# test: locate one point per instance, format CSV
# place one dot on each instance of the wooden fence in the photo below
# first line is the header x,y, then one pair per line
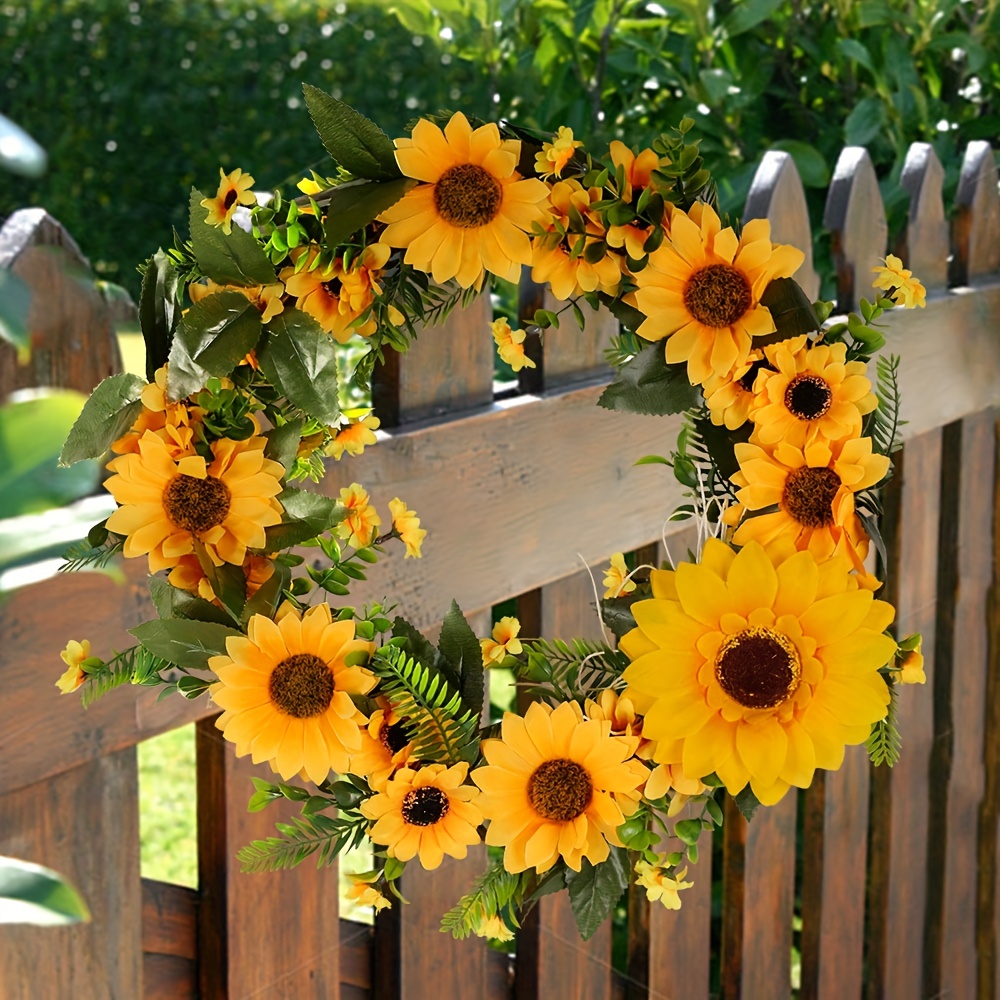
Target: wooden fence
x,y
884,880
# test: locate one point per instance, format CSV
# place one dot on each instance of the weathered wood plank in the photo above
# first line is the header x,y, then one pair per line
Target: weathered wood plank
x,y
85,824
267,934
168,977
856,219
169,919
356,955
975,232
734,841
923,243
961,724
776,193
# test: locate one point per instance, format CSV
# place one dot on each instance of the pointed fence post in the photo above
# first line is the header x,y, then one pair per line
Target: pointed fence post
x,y
923,244
976,223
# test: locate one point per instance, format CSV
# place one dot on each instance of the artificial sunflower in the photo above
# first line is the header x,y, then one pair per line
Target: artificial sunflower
x,y
337,296
732,396
360,525
759,666
701,290
554,155
168,505
385,746
471,212
267,298
173,423
406,524
554,786
813,488
355,437
510,344
286,692
426,814
562,262
189,575
898,281
815,392
234,190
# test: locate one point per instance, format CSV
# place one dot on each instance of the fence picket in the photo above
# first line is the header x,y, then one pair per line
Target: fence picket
x,y
976,224
923,243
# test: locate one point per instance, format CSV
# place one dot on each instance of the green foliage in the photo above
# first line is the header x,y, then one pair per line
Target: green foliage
x,y
791,311
884,742
186,643
326,836
493,892
444,731
135,665
595,890
883,424
106,416
159,309
86,555
233,258
570,670
460,649
747,803
171,602
647,384
32,894
307,515
352,206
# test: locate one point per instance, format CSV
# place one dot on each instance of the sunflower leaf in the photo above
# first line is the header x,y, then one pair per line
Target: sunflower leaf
x,y
461,650
307,515
355,142
236,259
353,206
185,643
211,339
300,360
106,416
268,596
171,602
747,803
159,309
791,310
283,443
595,890
617,612
31,894
647,384
227,581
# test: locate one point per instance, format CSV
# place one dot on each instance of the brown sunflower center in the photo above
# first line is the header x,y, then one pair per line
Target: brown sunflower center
x,y
301,686
808,496
717,295
808,396
394,737
758,667
196,504
467,196
231,195
747,380
334,286
424,806
560,789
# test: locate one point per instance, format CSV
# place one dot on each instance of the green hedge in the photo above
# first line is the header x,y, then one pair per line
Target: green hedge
x,y
136,102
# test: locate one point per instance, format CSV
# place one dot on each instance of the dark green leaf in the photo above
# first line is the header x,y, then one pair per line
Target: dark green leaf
x,y
31,894
300,360
719,441
307,515
617,613
186,643
809,162
171,602
228,582
791,311
107,415
159,310
212,338
268,597
462,652
747,15
354,206
747,803
554,880
595,890
418,646
865,122
283,443
647,384
236,259
356,143
627,315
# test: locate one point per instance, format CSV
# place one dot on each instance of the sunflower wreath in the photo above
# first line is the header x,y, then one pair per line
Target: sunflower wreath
x,y
744,668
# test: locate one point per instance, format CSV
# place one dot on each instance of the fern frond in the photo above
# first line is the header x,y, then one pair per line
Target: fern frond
x,y
441,730
569,671
884,422
884,742
495,889
622,349
135,665
316,834
83,555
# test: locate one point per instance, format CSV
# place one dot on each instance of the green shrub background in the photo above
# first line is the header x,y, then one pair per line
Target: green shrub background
x,y
135,102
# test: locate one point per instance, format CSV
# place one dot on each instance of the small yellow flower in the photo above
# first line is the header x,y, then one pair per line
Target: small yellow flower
x,y
234,190
616,580
73,656
354,438
494,927
407,525
660,886
552,160
510,345
365,894
309,187
903,288
267,298
911,664
504,641
362,519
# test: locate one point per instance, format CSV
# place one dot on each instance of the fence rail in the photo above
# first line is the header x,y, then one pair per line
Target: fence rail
x,y
883,881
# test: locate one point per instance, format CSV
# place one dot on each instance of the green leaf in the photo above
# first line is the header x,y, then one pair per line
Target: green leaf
x,y
356,143
236,259
300,360
865,122
283,443
747,803
170,602
617,613
15,301
353,206
228,582
853,49
416,644
268,597
107,415
461,650
595,890
719,443
212,338
186,643
809,162
748,14
32,894
791,311
307,515
159,309
647,384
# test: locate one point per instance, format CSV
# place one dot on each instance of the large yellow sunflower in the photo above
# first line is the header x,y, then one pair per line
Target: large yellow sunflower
x,y
472,210
554,787
813,489
701,290
286,689
167,504
426,814
385,746
814,393
759,666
